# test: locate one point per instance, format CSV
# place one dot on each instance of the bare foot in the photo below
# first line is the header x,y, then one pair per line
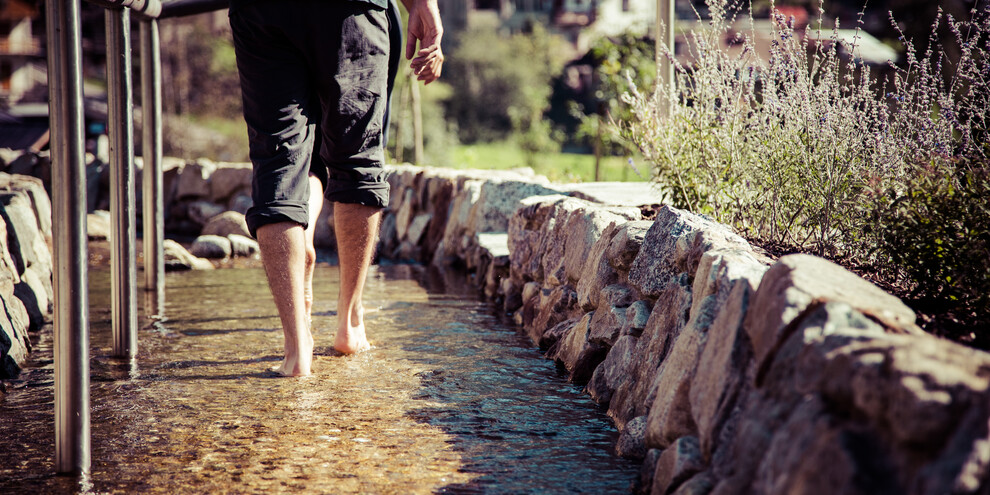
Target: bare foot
x,y
298,359
351,338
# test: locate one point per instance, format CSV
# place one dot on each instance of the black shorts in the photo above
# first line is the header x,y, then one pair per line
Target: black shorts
x,y
314,79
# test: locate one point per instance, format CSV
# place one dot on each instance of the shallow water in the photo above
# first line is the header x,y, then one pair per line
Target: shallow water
x,y
450,400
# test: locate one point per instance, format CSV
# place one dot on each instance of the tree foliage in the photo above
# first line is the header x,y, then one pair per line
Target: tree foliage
x,y
501,85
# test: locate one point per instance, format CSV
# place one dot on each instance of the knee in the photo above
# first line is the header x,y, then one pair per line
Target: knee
x,y
310,256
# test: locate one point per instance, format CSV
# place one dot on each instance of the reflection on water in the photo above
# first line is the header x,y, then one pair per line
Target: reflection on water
x,y
450,400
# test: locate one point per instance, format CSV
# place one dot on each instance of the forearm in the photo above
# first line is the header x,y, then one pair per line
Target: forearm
x,y
409,3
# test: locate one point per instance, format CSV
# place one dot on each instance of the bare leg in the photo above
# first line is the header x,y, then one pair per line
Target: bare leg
x,y
315,205
357,229
283,250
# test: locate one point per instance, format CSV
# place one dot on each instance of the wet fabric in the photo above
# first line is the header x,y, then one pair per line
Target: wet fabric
x,y
314,80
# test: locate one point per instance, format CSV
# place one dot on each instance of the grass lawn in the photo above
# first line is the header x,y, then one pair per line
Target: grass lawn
x,y
558,167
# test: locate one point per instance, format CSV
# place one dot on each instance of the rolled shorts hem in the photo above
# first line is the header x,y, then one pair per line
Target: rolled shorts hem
x,y
288,211
362,193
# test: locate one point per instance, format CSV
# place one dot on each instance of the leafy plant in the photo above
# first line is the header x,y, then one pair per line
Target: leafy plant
x,y
811,148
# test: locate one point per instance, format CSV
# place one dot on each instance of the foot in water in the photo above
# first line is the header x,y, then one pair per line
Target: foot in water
x,y
298,359
351,338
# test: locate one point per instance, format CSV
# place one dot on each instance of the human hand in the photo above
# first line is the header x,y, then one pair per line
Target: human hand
x,y
426,28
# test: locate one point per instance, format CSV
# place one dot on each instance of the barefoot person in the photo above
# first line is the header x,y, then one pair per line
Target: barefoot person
x,y
314,78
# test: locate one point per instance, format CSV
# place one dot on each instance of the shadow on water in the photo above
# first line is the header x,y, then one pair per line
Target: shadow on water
x,y
450,400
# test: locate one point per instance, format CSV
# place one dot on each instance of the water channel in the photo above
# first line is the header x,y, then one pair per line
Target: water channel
x,y
450,400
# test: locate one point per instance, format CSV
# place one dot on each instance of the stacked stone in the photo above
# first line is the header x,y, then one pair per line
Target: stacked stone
x,y
725,373
25,267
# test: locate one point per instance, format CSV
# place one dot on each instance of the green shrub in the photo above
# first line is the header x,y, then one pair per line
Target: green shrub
x,y
811,149
936,233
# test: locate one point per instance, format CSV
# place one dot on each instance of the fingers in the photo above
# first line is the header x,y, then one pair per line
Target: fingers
x,y
428,64
410,46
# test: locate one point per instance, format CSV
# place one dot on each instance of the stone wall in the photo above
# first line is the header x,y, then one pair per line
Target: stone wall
x,y
725,372
25,267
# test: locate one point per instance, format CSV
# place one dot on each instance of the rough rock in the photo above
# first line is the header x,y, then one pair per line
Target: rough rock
x,y
512,293
919,386
225,224
497,201
553,240
240,203
721,371
417,227
34,188
637,315
8,270
614,371
584,228
597,273
194,180
670,414
98,225
674,245
177,258
498,272
579,356
718,273
626,243
211,247
677,464
227,179
631,443
636,394
496,245
14,342
526,227
388,238
811,454
440,190
555,305
577,226
699,484
404,215
171,171
243,246
35,297
610,317
647,470
200,212
551,339
797,281
460,213
26,243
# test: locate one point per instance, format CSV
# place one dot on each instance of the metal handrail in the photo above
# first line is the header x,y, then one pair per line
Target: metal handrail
x,y
146,8
72,409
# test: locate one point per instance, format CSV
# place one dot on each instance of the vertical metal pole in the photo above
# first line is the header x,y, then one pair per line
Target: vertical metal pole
x,y
665,35
122,195
151,111
72,433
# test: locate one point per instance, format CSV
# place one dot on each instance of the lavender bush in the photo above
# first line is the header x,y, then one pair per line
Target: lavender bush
x,y
811,149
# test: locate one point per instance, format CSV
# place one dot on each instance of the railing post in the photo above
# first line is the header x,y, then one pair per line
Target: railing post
x,y
122,195
151,112
665,23
72,428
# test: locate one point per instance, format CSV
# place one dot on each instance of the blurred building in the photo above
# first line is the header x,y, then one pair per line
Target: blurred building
x,y
578,21
23,72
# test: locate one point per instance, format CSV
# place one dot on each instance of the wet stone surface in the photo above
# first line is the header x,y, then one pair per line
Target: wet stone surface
x,y
450,400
